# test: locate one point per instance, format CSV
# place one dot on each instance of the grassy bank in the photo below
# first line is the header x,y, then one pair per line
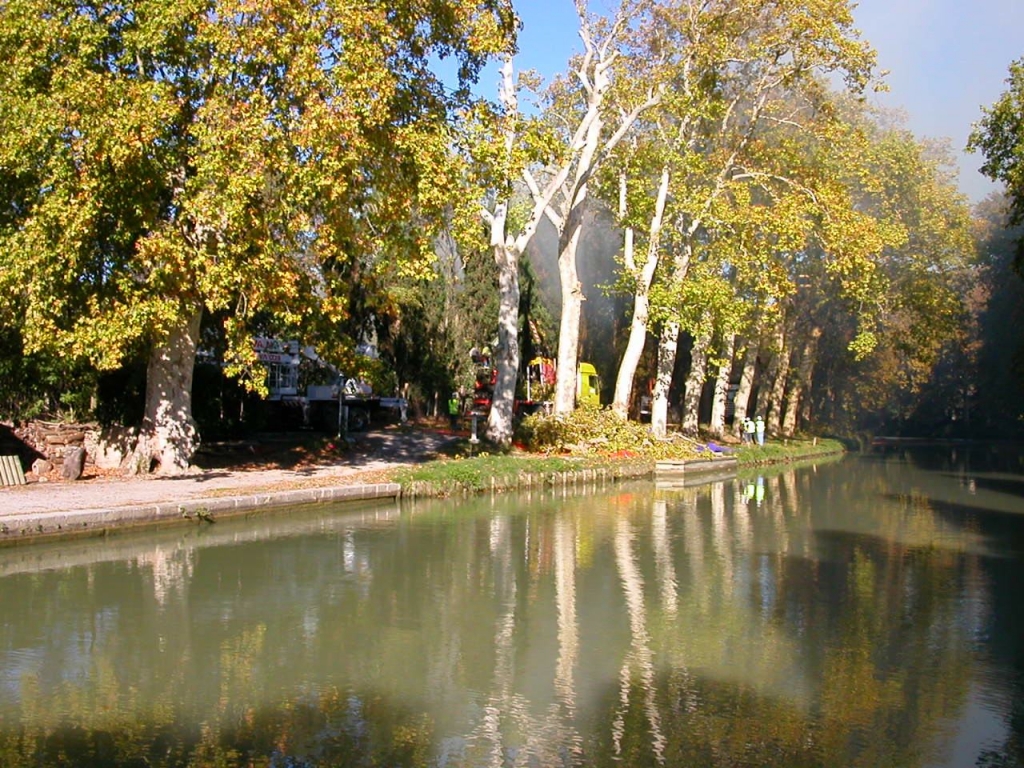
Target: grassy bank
x,y
469,474
787,450
477,474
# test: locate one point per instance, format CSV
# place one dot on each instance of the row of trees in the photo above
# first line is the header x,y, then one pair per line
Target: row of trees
x,y
776,225
178,175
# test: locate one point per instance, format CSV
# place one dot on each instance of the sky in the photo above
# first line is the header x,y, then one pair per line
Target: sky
x,y
946,60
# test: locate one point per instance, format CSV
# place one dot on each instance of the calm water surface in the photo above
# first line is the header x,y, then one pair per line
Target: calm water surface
x,y
864,612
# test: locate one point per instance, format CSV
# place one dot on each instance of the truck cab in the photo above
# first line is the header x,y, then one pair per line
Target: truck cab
x,y
588,385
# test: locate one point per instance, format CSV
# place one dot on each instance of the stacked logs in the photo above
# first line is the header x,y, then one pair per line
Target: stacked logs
x,y
58,444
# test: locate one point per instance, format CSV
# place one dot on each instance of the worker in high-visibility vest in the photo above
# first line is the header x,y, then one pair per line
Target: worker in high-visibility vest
x,y
759,429
453,410
748,430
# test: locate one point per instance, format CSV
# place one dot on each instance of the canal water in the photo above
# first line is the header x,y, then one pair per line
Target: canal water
x,y
858,612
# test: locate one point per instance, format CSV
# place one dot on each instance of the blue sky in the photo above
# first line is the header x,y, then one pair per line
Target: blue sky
x,y
946,58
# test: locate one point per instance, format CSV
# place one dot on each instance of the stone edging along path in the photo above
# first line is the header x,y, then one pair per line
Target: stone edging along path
x,y
96,521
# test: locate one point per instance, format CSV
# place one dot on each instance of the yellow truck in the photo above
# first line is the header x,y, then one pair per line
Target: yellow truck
x,y
539,386
588,385
540,381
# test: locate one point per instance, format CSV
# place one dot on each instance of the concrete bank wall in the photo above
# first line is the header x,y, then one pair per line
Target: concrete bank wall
x,y
85,522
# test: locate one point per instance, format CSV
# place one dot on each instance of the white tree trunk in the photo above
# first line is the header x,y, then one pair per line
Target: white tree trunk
x,y
690,421
716,426
507,251
635,343
746,387
506,257
168,439
568,245
668,348
572,309
641,303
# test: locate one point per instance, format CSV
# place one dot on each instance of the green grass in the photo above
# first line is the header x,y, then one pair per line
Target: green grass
x,y
470,474
789,450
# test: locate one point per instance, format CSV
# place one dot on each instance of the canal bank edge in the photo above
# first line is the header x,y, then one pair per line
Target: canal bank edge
x,y
103,520
590,472
445,478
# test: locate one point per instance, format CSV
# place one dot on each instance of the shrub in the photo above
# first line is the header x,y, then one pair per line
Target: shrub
x,y
592,430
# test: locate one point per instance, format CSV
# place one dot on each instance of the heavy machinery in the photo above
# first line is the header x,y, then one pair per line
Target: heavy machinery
x,y
539,384
315,390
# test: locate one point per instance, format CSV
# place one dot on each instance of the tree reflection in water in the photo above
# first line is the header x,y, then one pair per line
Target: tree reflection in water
x,y
840,616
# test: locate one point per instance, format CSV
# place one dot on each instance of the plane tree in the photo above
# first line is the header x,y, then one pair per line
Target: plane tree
x,y
854,282
591,110
730,68
997,294
880,247
823,245
913,311
639,179
872,280
999,136
163,159
501,143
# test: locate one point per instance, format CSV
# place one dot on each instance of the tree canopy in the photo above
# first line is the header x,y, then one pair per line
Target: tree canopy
x,y
174,174
999,136
163,158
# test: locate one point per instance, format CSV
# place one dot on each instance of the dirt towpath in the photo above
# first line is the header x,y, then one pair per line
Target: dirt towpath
x,y
102,502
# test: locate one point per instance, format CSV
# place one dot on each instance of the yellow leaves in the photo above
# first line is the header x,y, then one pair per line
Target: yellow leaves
x,y
489,32
241,154
863,344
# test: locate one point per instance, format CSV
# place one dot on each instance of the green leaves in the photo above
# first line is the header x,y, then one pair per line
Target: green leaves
x,y
240,155
999,136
